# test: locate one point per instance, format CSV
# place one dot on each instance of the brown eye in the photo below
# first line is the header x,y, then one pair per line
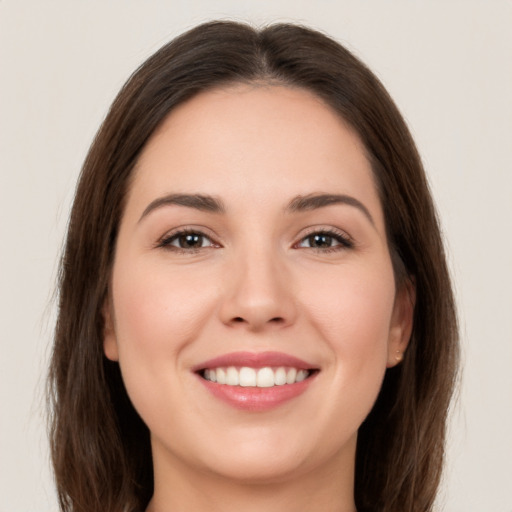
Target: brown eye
x,y
189,241
186,240
320,240
325,240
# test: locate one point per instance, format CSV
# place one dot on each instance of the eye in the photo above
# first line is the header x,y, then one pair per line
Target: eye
x,y
186,241
326,240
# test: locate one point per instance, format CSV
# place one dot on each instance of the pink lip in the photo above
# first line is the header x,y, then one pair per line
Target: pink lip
x,y
253,398
254,360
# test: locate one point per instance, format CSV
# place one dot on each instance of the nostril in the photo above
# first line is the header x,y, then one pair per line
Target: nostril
x,y
275,320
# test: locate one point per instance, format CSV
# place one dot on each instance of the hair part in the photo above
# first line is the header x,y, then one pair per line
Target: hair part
x,y
100,446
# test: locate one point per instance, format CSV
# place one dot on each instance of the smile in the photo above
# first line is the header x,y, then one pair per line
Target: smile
x,y
246,376
256,381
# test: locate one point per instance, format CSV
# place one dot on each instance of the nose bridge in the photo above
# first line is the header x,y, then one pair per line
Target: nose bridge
x,y
258,294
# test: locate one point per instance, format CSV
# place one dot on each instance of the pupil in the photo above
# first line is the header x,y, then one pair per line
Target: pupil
x,y
320,240
190,240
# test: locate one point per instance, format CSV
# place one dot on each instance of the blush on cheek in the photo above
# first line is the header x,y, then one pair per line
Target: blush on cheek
x,y
158,310
360,312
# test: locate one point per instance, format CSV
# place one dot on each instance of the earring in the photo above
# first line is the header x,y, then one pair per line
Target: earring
x,y
398,356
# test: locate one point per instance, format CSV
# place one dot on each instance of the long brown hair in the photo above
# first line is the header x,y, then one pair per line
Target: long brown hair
x,y
100,446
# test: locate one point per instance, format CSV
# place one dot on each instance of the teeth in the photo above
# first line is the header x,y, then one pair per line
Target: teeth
x,y
280,377
301,375
232,377
290,376
251,377
221,375
247,377
265,378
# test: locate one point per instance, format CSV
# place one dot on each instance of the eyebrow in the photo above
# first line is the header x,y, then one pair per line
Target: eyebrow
x,y
197,201
215,205
315,201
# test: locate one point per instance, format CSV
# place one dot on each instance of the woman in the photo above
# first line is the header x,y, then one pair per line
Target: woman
x,y
255,309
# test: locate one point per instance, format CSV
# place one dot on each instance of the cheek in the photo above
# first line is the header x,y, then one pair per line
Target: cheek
x,y
354,307
349,310
157,308
158,313
352,310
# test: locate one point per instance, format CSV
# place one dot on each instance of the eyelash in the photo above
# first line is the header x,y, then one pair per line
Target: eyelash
x,y
167,240
343,240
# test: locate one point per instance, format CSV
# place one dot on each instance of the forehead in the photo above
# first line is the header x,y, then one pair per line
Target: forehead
x,y
251,141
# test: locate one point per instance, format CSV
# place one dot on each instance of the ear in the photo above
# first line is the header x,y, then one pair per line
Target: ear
x,y
109,333
401,322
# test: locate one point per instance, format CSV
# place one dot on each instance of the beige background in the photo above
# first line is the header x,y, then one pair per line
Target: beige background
x,y
448,64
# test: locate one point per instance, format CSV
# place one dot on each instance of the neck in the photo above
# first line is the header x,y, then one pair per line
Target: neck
x,y
179,488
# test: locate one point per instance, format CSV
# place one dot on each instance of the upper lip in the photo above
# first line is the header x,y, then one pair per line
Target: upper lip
x,y
255,360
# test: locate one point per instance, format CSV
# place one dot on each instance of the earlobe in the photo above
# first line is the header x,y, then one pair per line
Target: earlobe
x,y
401,322
109,334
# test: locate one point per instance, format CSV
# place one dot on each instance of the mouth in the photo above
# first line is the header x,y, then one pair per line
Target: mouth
x,y
256,382
246,376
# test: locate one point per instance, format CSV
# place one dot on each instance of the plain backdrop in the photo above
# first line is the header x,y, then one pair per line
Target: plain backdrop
x,y
448,65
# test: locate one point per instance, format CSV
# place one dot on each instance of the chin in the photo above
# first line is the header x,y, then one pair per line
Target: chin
x,y
270,457
256,470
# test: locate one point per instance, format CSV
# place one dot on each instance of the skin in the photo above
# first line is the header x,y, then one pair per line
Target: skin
x,y
256,283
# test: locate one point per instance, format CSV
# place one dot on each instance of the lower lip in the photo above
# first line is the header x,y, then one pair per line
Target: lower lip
x,y
257,399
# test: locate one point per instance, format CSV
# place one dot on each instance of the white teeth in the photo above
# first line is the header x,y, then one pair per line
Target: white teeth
x,y
221,375
280,377
301,375
250,377
290,376
247,377
265,378
232,378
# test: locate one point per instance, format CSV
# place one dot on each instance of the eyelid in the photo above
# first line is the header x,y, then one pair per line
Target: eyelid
x,y
164,242
344,239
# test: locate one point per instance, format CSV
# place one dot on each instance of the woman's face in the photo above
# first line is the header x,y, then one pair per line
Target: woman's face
x,y
252,252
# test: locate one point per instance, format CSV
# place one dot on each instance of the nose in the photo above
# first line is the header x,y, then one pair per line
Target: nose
x,y
258,293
